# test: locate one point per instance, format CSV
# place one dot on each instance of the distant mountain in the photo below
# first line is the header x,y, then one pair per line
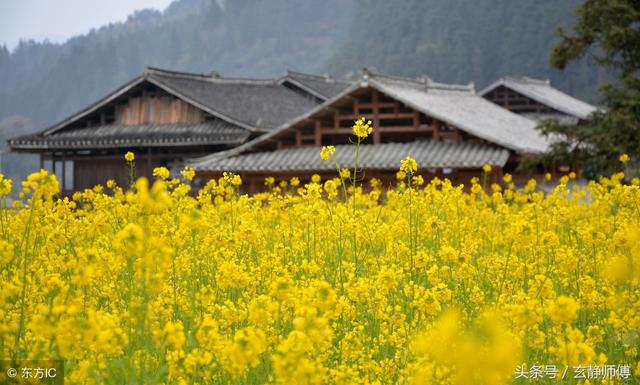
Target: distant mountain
x,y
463,41
45,82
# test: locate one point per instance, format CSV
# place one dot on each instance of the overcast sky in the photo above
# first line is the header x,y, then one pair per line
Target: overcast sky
x,y
58,20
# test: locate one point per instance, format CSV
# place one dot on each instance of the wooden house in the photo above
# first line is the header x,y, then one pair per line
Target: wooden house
x,y
449,129
537,99
165,116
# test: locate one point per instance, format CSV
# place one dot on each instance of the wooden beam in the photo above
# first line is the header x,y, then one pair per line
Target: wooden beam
x,y
392,115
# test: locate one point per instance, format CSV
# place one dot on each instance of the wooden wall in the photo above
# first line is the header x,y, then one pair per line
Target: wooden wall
x,y
160,109
89,172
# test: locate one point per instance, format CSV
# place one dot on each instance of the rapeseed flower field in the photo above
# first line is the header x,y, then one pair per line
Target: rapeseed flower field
x,y
325,282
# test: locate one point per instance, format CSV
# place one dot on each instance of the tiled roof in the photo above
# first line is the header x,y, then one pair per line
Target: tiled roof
x,y
111,136
323,87
259,104
556,117
461,107
542,92
387,156
457,105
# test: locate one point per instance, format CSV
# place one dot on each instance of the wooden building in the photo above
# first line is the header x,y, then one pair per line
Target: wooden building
x,y
537,99
166,116
449,129
276,127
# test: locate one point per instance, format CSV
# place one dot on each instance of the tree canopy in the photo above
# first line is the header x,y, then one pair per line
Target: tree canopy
x,y
607,32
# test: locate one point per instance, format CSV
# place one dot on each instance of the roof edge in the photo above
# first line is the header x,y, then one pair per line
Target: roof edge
x,y
424,81
93,106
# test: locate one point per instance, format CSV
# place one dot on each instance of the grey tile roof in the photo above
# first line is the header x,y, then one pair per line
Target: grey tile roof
x,y
259,104
457,105
387,156
152,135
461,107
324,87
253,105
542,92
546,116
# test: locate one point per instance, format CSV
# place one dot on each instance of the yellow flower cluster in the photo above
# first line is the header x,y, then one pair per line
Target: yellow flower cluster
x,y
362,128
5,186
408,165
436,284
326,152
624,158
188,173
161,172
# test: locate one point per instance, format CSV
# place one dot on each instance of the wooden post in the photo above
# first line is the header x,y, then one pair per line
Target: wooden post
x,y
318,134
149,170
63,174
376,118
436,129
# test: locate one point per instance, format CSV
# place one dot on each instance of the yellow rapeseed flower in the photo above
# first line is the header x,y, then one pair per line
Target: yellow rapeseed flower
x,y
188,173
362,128
624,158
161,172
325,283
5,186
326,152
129,156
563,310
408,165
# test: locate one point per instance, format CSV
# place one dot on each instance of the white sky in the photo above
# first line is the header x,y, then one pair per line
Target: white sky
x,y
58,20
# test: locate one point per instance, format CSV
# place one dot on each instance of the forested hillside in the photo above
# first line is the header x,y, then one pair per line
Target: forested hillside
x,y
462,41
44,82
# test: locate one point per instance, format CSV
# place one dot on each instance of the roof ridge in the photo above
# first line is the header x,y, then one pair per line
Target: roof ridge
x,y
423,80
150,70
211,76
526,79
325,77
241,80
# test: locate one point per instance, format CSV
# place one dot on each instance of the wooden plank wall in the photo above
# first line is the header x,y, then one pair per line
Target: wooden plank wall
x,y
160,110
89,172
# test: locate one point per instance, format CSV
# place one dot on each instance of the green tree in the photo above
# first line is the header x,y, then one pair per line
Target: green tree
x,y
608,33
